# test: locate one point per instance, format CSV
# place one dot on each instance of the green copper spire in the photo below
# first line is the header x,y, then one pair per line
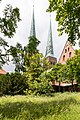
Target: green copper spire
x,y
32,31
49,47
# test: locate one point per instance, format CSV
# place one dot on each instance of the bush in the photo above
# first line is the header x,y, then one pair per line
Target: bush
x,y
12,84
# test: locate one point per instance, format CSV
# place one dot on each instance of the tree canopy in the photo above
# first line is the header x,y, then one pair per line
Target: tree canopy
x,y
68,17
8,25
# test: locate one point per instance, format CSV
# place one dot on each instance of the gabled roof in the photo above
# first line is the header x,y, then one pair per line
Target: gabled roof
x,y
65,51
2,72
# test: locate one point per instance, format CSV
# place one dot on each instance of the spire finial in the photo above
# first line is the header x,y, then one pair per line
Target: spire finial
x,y
33,3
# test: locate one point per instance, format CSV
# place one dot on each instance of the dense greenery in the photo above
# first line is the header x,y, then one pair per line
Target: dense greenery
x,y
12,84
68,17
35,66
64,106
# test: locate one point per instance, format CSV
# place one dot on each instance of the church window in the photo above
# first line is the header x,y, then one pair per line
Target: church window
x,y
68,49
70,54
65,50
63,57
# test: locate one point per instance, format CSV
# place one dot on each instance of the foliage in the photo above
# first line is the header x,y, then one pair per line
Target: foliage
x,y
74,66
55,72
45,86
68,17
12,84
9,22
4,56
32,45
64,106
63,74
8,25
17,54
35,66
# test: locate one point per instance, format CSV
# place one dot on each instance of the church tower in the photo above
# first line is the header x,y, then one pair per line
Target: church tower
x,y
49,48
32,30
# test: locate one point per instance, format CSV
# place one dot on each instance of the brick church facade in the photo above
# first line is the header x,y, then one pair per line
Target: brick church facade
x,y
67,53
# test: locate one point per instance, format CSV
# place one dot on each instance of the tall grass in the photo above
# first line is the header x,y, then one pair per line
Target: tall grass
x,y
64,106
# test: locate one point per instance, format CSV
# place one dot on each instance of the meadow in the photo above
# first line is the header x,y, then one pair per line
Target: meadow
x,y
62,106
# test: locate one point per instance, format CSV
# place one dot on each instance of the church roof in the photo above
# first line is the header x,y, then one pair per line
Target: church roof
x,y
2,72
68,52
49,47
32,30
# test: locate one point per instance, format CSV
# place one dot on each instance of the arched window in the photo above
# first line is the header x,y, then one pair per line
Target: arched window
x,y
65,50
68,49
70,54
63,57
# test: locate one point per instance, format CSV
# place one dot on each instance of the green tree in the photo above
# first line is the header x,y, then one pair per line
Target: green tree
x,y
71,70
62,73
36,65
8,25
20,54
68,17
12,84
55,73
74,67
17,54
32,46
4,56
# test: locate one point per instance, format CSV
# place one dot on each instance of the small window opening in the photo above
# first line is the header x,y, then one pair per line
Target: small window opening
x,y
70,54
63,57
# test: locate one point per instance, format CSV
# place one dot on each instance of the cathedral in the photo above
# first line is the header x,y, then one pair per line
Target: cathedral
x,y
49,54
67,52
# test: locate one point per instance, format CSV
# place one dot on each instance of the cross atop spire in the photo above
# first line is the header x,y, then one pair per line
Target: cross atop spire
x,y
49,47
33,31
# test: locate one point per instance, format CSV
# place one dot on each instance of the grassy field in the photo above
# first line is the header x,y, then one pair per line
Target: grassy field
x,y
64,106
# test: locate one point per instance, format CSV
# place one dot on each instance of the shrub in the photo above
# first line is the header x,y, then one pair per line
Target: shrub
x,y
12,84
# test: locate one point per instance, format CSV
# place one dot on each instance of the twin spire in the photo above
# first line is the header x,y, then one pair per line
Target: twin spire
x,y
33,31
49,47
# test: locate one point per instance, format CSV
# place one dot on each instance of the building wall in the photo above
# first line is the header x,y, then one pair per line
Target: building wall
x,y
67,53
52,60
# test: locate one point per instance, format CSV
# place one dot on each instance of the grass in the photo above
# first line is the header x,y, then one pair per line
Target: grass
x,y
65,106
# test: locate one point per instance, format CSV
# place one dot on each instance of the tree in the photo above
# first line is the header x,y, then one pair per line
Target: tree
x,y
12,84
32,45
68,17
20,54
4,57
17,54
36,65
54,71
74,67
8,25
62,73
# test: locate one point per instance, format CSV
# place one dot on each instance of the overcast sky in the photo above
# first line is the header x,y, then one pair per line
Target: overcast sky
x,y
41,22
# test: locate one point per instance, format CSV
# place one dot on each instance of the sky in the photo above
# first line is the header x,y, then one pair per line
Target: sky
x,y
42,19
